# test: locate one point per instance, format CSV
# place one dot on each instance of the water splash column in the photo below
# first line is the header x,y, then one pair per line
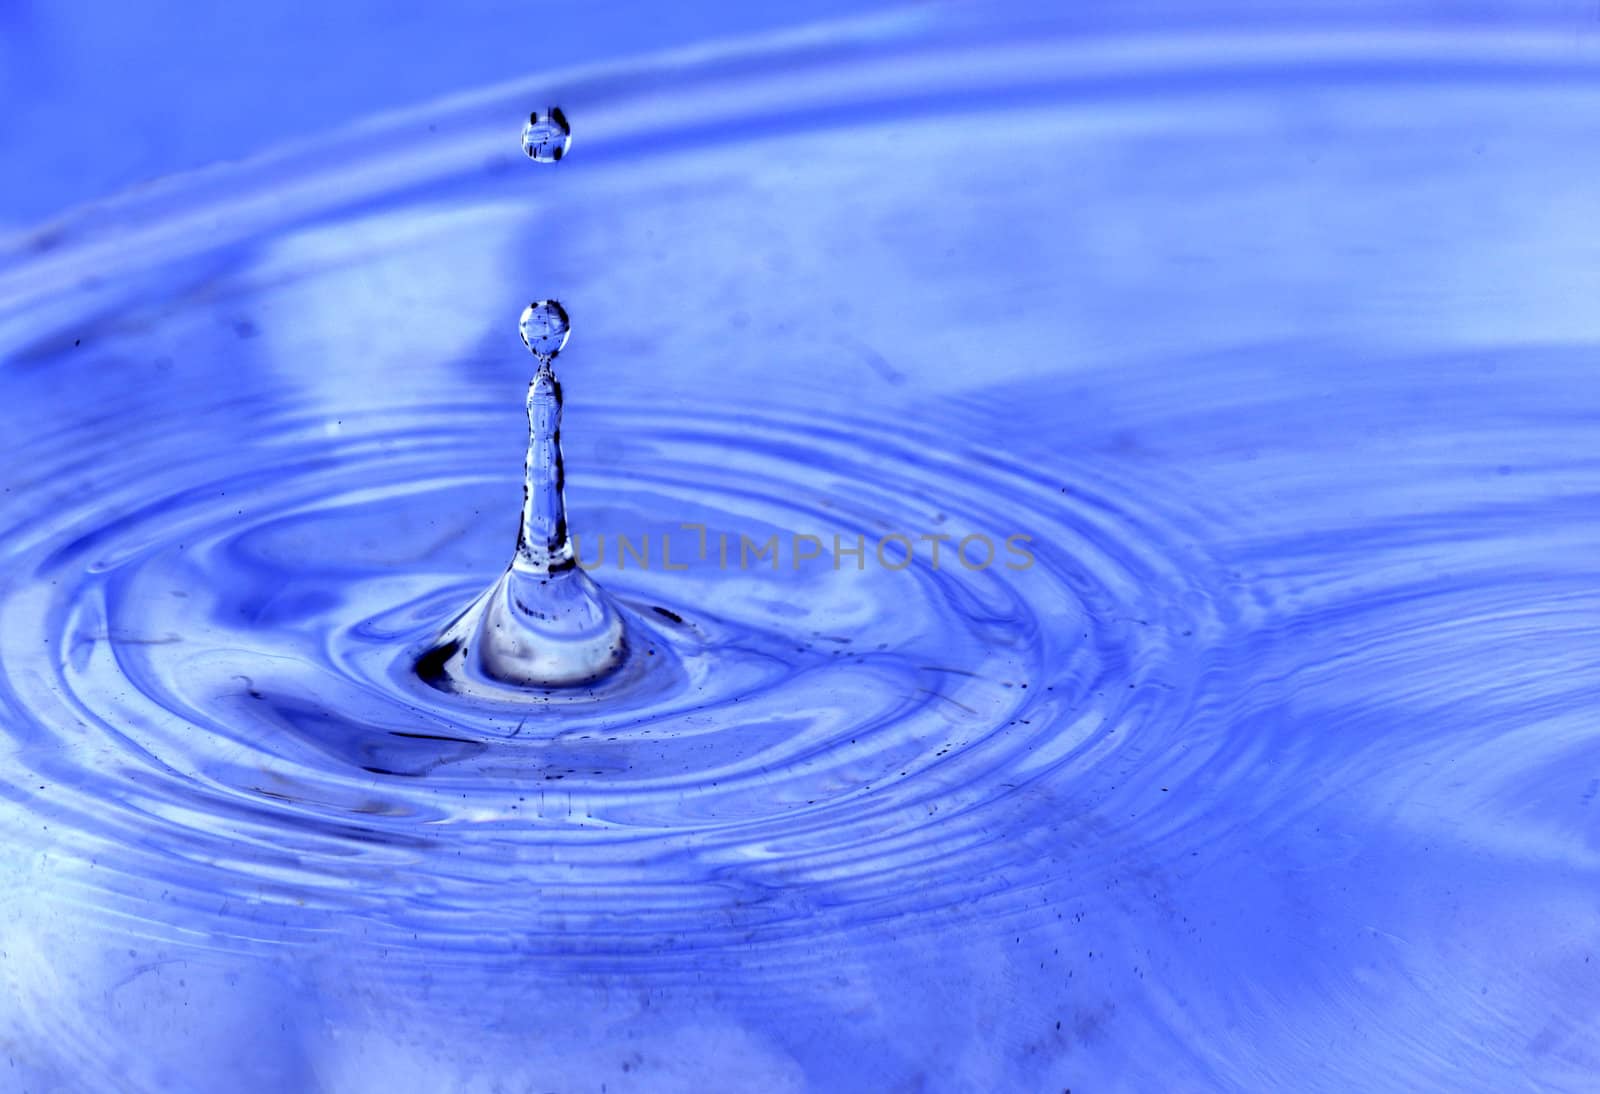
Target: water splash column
x,y
543,545
544,624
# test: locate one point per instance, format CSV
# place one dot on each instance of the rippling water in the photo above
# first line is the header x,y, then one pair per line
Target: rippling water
x,y
1277,769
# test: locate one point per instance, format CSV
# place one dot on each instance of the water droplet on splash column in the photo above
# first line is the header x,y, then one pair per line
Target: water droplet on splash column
x,y
546,136
545,624
545,329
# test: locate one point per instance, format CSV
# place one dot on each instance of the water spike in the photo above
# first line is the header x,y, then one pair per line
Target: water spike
x,y
543,545
545,624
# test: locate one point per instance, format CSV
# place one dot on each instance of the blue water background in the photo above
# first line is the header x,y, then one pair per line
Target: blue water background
x,y
1278,770
103,96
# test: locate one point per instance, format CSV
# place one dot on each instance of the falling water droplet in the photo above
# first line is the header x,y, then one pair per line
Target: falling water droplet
x,y
547,136
545,623
544,329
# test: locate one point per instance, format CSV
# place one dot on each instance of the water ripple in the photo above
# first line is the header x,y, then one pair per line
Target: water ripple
x,y
1279,760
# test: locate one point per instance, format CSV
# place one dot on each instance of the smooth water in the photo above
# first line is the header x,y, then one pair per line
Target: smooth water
x,y
1267,760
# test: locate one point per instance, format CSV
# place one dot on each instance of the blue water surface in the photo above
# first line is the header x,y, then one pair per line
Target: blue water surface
x,y
1275,769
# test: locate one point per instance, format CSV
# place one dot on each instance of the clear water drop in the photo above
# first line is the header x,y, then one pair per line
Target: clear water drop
x,y
547,136
545,328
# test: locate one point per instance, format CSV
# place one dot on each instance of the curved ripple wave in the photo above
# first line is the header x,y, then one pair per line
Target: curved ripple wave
x,y
233,700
